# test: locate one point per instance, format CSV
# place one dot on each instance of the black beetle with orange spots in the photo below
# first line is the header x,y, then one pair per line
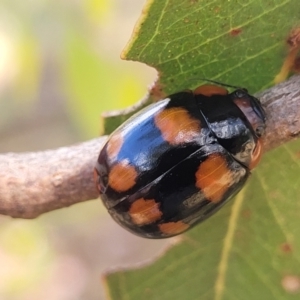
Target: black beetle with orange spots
x,y
176,162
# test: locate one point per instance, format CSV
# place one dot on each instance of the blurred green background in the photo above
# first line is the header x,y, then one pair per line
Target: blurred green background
x,y
59,69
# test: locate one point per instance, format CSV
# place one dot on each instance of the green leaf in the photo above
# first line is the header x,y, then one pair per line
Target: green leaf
x,y
242,43
249,249
249,44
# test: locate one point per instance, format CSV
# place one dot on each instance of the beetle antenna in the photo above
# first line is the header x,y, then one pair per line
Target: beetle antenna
x,y
222,84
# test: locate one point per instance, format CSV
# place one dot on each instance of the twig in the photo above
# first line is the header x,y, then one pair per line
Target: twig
x,y
35,183
282,105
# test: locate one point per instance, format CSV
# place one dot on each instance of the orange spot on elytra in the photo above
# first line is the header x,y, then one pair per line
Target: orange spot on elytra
x,y
293,42
209,90
213,177
173,228
256,155
177,126
122,176
144,212
114,145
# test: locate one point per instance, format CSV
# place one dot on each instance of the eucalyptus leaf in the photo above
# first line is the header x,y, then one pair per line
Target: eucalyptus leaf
x,y
250,248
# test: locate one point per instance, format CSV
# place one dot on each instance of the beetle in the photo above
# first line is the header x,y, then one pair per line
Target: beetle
x,y
179,160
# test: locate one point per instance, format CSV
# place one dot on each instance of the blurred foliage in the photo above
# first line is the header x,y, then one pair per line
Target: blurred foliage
x,y
86,75
73,36
24,257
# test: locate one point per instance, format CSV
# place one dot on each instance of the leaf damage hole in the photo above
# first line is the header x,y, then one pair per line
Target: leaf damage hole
x,y
235,31
217,9
291,284
247,213
286,248
156,91
292,60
